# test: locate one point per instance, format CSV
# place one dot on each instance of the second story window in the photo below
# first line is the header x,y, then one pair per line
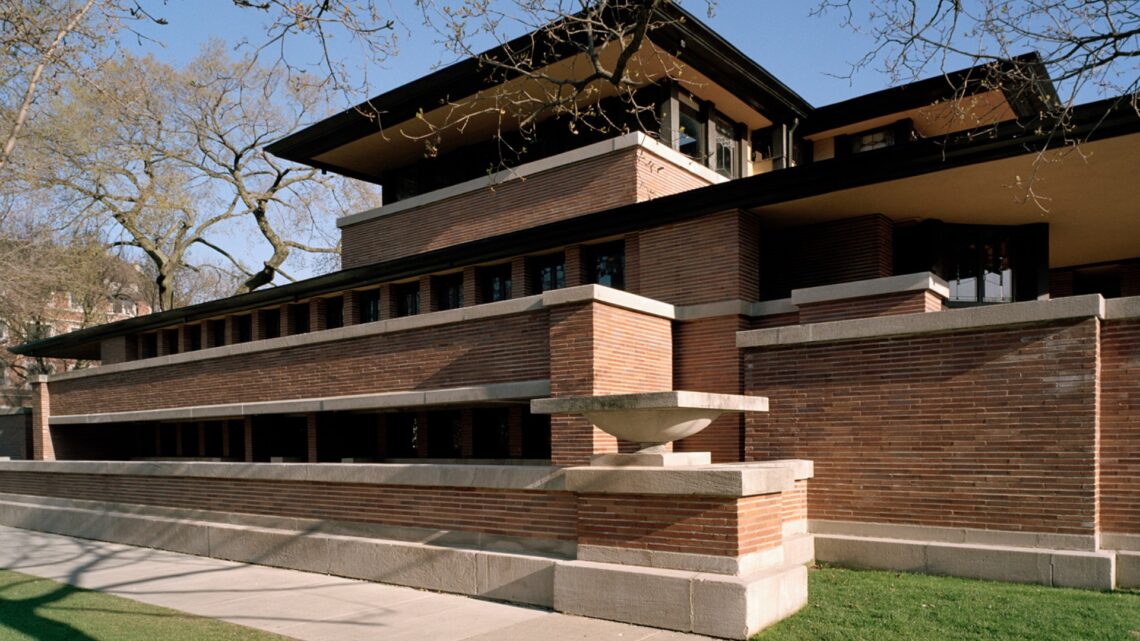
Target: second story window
x,y
243,328
148,345
495,283
547,272
193,338
271,323
299,319
447,291
369,302
216,332
406,298
606,264
334,312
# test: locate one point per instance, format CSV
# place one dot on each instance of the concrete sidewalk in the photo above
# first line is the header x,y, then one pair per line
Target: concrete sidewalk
x,y
297,604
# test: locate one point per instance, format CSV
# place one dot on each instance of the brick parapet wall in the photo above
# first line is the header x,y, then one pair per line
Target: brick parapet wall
x,y
476,352
595,184
991,429
909,302
1120,427
518,513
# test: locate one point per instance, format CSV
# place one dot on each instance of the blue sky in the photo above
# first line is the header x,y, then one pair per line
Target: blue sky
x,y
805,52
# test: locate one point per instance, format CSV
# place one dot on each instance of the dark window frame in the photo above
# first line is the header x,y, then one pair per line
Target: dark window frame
x,y
447,291
406,299
537,267
613,256
494,283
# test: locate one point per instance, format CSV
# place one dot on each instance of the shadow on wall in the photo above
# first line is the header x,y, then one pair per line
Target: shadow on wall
x,y
15,433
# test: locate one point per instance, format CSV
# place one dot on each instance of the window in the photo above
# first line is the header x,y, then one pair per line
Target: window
x,y
725,149
369,302
494,283
406,298
402,435
243,328
872,139
979,268
447,291
271,323
547,272
193,338
444,436
606,264
691,133
124,307
148,345
216,332
299,318
334,312
170,341
491,433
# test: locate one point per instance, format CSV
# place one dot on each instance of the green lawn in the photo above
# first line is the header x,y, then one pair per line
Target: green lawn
x,y
846,605
34,609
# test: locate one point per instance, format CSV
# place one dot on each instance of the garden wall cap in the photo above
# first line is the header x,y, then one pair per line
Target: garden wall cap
x,y
678,399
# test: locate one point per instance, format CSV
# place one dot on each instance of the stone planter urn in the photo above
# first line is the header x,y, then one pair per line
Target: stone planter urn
x,y
652,419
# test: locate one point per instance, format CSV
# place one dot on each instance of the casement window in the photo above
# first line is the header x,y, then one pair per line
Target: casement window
x,y
148,345
334,312
299,321
979,268
494,283
444,435
696,129
406,298
243,328
606,264
491,433
368,303
193,337
447,291
270,323
892,135
216,332
547,272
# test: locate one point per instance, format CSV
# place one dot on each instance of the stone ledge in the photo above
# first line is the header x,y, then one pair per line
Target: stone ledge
x,y
514,477
610,296
384,400
727,480
969,536
1119,541
1062,568
1128,570
1009,314
921,281
1122,308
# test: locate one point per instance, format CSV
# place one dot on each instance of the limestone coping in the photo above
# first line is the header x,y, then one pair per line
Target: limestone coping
x,y
1074,307
731,480
516,477
1122,308
726,480
627,141
384,400
921,281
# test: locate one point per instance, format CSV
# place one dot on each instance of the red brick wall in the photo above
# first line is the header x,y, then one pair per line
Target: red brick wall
x,y
689,524
912,302
990,429
826,253
521,513
706,360
708,259
1120,427
599,349
657,177
596,184
471,353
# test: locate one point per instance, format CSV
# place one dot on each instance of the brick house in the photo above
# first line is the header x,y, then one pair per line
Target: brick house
x,y
961,364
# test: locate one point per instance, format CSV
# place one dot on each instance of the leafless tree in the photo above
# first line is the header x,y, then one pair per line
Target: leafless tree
x,y
171,162
1084,44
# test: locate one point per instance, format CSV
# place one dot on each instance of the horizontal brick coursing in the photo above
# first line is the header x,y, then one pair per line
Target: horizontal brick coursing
x,y
708,259
686,524
987,429
825,253
521,513
596,184
912,302
707,360
471,353
1120,427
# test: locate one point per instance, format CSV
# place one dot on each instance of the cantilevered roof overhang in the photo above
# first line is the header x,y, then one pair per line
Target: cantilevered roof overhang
x,y
356,142
1092,188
